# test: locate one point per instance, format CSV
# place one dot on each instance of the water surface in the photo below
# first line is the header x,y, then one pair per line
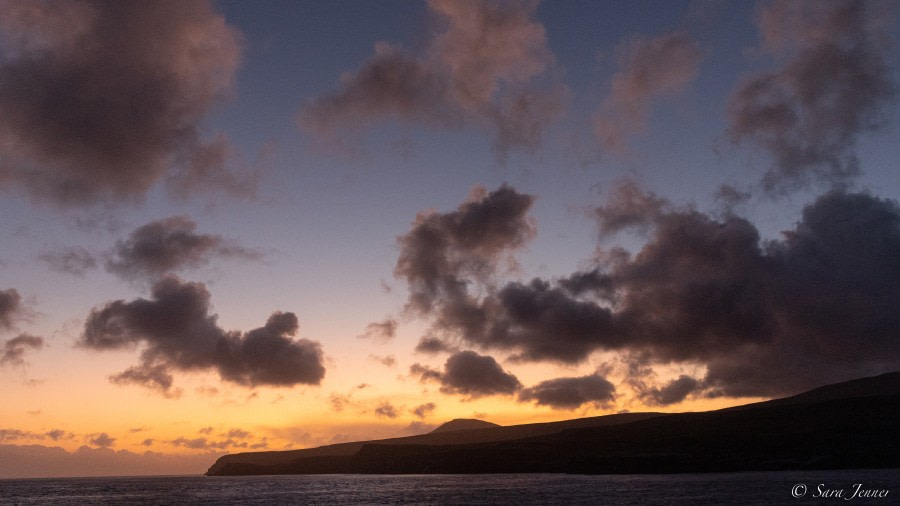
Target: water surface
x,y
814,487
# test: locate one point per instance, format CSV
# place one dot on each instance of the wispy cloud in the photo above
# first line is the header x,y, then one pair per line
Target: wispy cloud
x,y
167,246
14,349
833,84
486,64
649,69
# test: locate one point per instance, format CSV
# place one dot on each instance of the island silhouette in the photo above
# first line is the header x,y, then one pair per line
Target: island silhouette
x,y
850,425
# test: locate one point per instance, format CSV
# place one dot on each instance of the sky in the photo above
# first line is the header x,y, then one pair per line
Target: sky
x,y
233,226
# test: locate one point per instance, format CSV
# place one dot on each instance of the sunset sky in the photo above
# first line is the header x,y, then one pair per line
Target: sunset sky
x,y
232,225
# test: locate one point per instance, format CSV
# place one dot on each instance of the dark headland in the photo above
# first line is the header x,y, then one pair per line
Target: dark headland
x,y
849,425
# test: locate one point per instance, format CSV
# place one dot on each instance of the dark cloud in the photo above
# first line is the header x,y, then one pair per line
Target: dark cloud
x,y
238,434
649,69
571,393
673,392
10,307
199,443
442,250
729,196
386,410
102,99
178,333
147,442
75,261
629,206
816,306
103,440
423,410
383,331
470,374
55,434
485,64
169,245
202,443
835,82
18,434
432,345
155,377
206,430
14,349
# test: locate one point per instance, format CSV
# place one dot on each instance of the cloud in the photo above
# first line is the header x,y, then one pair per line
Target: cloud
x,y
441,250
629,206
238,434
386,410
207,391
155,377
55,434
15,434
415,428
815,306
14,349
570,393
201,443
485,64
100,100
834,83
43,461
383,331
338,401
423,410
75,261
18,434
649,69
387,360
673,392
432,345
169,245
470,374
178,333
11,308
103,440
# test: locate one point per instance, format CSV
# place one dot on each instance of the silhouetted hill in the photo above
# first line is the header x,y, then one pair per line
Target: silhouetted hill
x,y
848,425
463,424
494,433
883,384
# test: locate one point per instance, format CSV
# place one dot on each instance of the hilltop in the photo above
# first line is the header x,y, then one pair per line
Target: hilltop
x,y
463,424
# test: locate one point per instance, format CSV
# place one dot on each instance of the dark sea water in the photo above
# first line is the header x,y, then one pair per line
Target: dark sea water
x,y
815,487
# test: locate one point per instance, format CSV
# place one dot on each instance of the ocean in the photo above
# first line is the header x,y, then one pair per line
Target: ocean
x,y
784,487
